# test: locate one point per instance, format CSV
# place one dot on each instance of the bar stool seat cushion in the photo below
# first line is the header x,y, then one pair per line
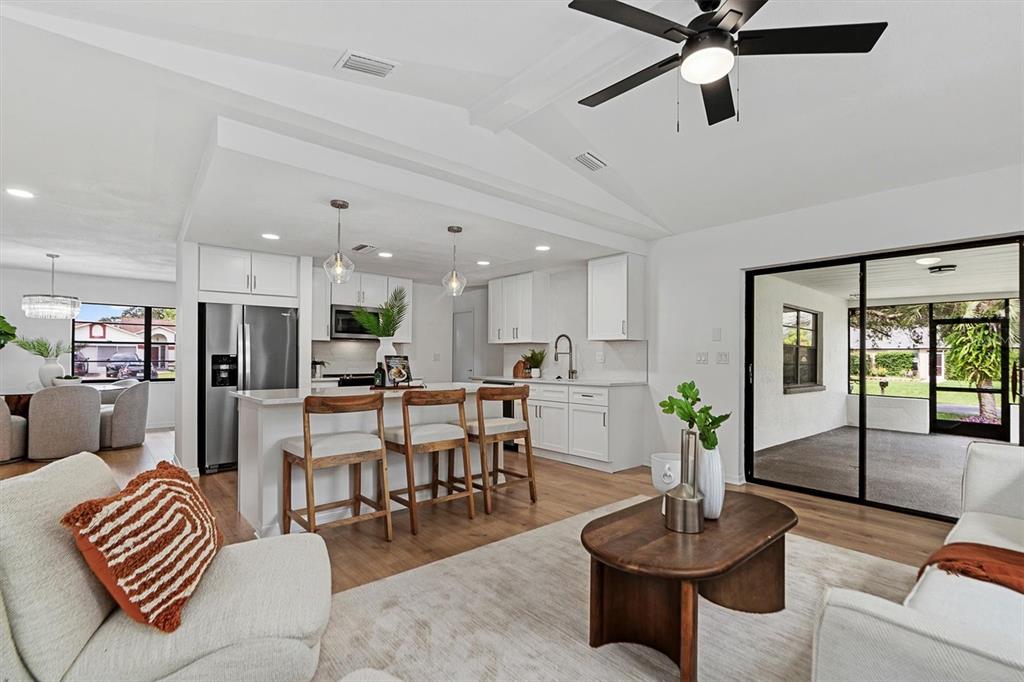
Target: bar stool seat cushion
x,y
425,433
327,444
497,425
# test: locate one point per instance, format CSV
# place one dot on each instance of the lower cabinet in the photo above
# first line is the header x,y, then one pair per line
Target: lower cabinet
x,y
549,425
588,431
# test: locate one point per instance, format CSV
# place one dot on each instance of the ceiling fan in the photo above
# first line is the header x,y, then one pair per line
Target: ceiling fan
x,y
712,44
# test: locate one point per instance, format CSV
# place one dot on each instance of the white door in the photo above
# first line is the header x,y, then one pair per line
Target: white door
x,y
463,346
275,275
321,306
375,290
607,298
524,298
510,297
224,269
347,293
549,425
404,334
588,431
495,311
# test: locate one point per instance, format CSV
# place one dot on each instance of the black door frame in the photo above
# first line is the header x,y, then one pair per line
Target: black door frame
x,y
861,261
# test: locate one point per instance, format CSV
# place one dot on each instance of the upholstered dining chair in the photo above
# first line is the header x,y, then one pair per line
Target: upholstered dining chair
x,y
123,424
62,421
108,397
13,434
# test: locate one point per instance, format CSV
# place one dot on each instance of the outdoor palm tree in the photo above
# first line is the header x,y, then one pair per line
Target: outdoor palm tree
x,y
974,353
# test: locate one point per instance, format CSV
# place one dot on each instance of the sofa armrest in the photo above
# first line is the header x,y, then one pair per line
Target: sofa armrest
x,y
994,479
862,637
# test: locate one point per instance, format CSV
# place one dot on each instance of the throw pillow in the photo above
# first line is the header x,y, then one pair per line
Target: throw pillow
x,y
149,544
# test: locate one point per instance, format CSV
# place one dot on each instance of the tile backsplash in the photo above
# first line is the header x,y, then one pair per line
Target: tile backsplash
x,y
348,356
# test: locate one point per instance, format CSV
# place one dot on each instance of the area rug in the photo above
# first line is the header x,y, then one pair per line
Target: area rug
x,y
518,609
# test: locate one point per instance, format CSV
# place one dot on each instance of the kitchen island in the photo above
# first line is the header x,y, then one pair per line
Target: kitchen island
x,y
265,418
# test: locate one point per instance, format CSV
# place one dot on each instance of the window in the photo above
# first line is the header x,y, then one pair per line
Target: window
x,y
114,342
799,349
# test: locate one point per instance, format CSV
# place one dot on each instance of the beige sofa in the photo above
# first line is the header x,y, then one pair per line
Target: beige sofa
x,y
949,627
258,614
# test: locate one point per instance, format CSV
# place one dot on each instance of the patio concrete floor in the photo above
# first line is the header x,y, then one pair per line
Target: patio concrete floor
x,y
917,471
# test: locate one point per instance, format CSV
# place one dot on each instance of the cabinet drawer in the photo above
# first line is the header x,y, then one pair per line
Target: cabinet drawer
x,y
558,394
583,395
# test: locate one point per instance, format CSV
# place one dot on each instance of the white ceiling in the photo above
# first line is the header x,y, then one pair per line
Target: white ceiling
x,y
109,108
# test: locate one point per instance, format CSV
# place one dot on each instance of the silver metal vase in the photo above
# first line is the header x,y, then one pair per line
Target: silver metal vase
x,y
684,504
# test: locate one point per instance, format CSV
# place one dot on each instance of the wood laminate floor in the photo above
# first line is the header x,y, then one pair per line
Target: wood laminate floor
x,y
359,553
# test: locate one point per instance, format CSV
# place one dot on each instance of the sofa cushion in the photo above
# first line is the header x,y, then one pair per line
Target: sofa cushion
x,y
271,589
977,604
989,529
149,544
53,601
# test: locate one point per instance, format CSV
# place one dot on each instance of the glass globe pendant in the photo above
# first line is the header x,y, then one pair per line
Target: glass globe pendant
x,y
50,306
454,282
338,266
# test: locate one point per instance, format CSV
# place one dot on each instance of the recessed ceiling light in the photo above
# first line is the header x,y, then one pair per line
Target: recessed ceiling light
x,y
483,262
542,248
385,254
20,193
930,260
269,235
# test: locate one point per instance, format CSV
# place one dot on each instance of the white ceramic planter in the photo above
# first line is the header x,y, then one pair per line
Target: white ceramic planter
x,y
387,347
712,482
50,370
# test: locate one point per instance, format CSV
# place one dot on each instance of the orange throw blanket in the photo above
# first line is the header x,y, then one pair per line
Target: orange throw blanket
x,y
982,562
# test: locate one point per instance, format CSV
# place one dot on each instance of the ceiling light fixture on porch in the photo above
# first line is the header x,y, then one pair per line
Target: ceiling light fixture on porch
x,y
454,282
50,306
338,266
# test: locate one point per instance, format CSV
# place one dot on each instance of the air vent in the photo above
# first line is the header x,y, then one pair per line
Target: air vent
x,y
591,162
364,248
364,63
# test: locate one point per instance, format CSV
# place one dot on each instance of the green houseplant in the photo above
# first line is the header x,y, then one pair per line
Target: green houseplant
x,y
688,408
42,347
533,360
7,332
386,322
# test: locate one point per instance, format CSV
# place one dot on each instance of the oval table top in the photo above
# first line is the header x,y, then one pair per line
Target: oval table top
x,y
636,540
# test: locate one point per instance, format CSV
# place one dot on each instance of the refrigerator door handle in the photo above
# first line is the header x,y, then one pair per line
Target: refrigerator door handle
x,y
247,342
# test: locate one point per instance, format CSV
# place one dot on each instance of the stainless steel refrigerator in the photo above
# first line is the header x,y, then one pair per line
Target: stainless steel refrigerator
x,y
244,347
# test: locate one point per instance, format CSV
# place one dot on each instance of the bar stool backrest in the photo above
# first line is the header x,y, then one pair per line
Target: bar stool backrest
x,y
500,393
339,404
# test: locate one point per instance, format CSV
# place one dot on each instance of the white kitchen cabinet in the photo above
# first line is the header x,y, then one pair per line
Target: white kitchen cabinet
x,y
549,425
615,298
274,275
588,431
517,308
321,306
247,272
373,290
404,334
346,293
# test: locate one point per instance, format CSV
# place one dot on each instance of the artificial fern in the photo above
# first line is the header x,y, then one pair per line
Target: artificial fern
x,y
42,347
386,322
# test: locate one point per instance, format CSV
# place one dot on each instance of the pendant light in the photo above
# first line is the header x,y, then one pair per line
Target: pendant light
x,y
454,282
338,266
50,306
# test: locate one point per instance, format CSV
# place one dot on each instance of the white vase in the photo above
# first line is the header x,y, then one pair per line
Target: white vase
x,y
712,482
537,373
50,370
387,347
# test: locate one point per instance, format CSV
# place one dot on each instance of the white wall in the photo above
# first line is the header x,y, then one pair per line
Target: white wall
x,y
487,357
430,353
695,280
781,417
18,369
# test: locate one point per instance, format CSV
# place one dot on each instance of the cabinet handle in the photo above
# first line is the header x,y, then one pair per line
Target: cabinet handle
x,y
254,282
623,327
604,419
499,332
247,287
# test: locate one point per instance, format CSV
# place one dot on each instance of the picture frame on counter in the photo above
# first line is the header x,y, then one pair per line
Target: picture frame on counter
x,y
397,372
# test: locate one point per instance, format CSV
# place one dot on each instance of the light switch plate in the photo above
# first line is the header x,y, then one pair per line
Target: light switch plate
x,y
599,357
437,357
722,358
702,358
716,333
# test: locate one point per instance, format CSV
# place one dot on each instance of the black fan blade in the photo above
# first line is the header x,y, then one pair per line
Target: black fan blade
x,y
734,13
811,39
634,17
630,82
718,100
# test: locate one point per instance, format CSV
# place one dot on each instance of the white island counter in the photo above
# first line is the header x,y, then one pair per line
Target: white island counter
x,y
265,418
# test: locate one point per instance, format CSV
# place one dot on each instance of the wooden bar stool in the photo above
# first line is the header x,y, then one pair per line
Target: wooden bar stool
x,y
493,432
337,449
410,440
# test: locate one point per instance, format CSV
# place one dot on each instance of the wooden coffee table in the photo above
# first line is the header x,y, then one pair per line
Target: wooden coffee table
x,y
644,578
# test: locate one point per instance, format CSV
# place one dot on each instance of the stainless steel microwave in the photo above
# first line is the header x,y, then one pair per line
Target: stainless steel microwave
x,y
345,326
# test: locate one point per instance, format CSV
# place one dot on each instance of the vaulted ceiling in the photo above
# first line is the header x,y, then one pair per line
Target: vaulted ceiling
x,y
115,113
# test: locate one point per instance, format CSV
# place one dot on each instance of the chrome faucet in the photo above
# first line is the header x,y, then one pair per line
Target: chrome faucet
x,y
572,368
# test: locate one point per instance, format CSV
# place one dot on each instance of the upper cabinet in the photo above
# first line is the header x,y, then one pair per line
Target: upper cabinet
x,y
404,334
362,288
247,272
517,308
615,298
321,306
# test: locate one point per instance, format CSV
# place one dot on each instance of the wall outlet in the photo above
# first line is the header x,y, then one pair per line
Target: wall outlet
x,y
722,358
702,358
599,357
437,357
716,333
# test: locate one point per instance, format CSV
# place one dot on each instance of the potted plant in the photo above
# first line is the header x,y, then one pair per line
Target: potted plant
x,y
7,332
712,482
384,323
532,361
50,352
318,368
67,380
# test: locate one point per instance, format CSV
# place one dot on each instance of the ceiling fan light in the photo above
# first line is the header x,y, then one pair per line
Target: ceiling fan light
x,y
707,57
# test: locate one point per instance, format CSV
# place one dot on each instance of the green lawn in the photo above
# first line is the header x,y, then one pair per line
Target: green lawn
x,y
909,388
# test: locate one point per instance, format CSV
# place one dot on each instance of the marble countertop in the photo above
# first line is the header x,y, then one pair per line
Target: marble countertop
x,y
604,383
293,396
